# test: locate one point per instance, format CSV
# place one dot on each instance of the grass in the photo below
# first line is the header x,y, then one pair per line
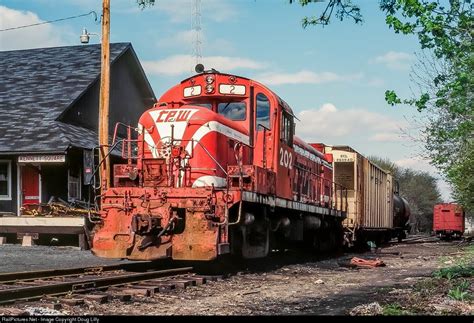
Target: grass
x,y
460,292
455,276
451,282
463,267
457,271
394,309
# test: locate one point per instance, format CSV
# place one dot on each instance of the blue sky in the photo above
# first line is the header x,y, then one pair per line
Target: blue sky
x,y
334,77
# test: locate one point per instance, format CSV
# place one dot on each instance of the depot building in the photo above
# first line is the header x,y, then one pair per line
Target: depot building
x,y
49,103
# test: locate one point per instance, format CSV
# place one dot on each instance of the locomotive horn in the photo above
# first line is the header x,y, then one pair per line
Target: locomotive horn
x,y
199,68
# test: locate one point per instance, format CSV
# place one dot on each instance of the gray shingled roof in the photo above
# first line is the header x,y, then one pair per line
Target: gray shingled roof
x,y
36,86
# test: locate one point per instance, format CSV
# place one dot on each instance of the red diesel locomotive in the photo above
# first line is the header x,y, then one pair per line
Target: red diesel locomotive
x,y
218,170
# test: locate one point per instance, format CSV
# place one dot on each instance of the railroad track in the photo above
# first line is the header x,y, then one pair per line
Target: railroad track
x,y
73,286
419,239
414,239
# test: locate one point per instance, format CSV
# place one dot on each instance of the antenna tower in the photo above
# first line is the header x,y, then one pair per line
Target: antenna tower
x,y
196,26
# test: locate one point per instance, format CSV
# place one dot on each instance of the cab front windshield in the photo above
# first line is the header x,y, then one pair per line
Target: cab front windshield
x,y
232,110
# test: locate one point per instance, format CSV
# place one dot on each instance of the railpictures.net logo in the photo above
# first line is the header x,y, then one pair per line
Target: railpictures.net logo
x,y
36,319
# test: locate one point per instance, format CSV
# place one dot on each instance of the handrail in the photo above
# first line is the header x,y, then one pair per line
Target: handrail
x,y
337,194
264,155
205,149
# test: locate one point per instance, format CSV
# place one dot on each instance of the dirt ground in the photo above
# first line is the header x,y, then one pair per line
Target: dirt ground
x,y
320,287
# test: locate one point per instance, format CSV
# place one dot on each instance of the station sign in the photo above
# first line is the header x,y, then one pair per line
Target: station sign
x,y
42,159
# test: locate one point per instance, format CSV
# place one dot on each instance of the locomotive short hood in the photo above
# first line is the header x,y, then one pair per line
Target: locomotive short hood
x,y
192,128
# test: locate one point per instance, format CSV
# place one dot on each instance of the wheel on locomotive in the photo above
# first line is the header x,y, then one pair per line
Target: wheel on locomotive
x,y
262,230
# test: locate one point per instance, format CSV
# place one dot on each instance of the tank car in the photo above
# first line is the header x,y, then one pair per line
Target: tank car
x,y
401,215
218,170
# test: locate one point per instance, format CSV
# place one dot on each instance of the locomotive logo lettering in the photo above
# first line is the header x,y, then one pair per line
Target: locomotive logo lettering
x,y
173,116
286,159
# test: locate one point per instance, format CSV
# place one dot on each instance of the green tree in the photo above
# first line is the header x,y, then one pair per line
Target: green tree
x,y
447,30
418,188
145,3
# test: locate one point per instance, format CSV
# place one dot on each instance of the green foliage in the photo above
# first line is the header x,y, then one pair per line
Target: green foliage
x,y
341,8
447,31
460,292
392,98
145,3
393,309
445,28
454,272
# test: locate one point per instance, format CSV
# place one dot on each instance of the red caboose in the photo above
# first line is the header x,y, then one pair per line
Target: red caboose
x,y
218,170
448,220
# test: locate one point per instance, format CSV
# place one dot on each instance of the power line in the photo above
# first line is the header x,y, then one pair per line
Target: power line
x,y
51,21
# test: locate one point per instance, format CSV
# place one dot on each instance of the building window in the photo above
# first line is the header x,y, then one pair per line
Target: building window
x,y
5,179
73,185
263,112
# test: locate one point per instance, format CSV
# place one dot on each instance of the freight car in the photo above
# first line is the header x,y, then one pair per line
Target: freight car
x,y
448,220
218,170
375,212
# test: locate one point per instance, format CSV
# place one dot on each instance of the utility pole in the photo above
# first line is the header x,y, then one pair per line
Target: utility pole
x,y
104,98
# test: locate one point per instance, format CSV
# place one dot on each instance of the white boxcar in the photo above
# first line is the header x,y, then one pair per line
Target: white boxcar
x,y
369,194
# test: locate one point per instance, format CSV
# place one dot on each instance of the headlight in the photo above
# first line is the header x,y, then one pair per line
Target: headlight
x,y
209,79
209,88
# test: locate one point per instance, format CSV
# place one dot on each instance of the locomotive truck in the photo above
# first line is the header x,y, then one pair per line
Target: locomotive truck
x,y
216,169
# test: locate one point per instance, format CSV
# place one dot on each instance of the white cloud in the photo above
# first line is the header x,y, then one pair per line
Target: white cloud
x,y
395,60
386,136
182,64
416,163
32,37
304,77
329,123
375,82
179,40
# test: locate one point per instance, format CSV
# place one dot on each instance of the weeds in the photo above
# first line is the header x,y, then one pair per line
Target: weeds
x,y
454,272
457,294
393,309
460,292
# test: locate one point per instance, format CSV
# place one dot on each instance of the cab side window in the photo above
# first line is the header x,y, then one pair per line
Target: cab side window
x,y
286,129
263,112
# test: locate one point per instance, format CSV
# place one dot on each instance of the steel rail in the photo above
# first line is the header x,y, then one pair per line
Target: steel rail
x,y
48,273
77,286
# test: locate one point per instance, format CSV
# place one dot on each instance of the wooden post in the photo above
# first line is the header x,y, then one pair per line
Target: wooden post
x,y
104,96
